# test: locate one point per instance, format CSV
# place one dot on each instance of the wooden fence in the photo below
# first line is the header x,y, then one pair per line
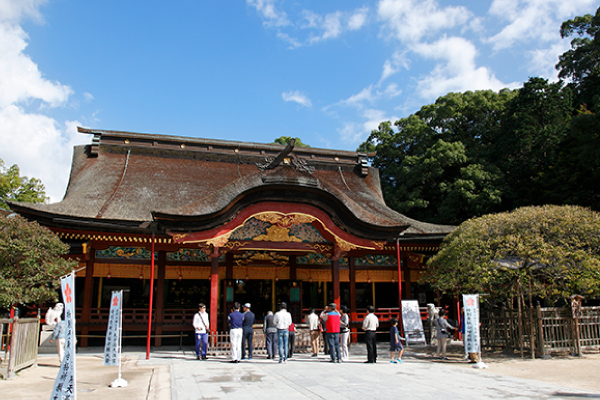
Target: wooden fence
x,y
219,343
545,330
23,342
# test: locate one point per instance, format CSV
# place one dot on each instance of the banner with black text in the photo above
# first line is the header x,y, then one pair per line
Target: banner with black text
x,y
65,384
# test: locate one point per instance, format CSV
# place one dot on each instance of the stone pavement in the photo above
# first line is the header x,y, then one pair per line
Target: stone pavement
x,y
172,374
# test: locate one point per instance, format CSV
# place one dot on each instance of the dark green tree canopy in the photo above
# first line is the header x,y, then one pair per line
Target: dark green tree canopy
x,y
551,252
286,139
581,64
19,188
435,165
30,262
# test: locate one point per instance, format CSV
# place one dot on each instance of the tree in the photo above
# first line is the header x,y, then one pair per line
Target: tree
x,y
581,64
550,252
437,166
30,262
286,139
528,145
19,188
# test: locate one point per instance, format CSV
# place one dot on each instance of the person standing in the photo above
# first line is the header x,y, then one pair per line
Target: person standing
x,y
344,332
443,334
370,325
292,340
313,325
235,320
200,323
58,335
395,343
248,332
332,323
282,321
270,331
323,318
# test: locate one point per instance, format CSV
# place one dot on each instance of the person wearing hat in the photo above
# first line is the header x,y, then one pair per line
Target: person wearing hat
x,y
248,332
332,323
282,321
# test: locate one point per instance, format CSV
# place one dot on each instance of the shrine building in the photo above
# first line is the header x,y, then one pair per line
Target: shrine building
x,y
219,221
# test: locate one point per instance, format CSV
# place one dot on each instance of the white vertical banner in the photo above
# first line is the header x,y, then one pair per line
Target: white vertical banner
x,y
65,385
412,323
113,337
472,339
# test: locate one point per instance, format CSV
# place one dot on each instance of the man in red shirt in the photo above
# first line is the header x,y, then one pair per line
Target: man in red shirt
x,y
332,324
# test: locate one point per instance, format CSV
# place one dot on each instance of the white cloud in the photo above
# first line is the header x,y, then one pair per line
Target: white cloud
x,y
14,11
272,17
456,70
20,79
358,19
393,65
537,20
296,97
332,25
356,100
37,143
318,27
357,132
542,62
411,20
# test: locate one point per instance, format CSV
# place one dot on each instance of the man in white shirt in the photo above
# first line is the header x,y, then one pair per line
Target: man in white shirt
x,y
370,325
313,325
282,321
201,323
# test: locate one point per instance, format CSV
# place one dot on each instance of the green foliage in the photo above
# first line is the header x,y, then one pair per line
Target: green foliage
x,y
548,251
284,140
437,166
528,146
581,64
19,188
30,262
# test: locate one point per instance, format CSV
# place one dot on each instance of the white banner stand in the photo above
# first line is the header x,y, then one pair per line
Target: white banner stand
x,y
114,332
472,337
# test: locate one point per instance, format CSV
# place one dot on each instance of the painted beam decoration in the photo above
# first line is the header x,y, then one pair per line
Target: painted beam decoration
x,y
274,223
65,384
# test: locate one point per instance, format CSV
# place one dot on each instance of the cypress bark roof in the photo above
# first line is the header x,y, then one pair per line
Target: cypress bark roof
x,y
132,179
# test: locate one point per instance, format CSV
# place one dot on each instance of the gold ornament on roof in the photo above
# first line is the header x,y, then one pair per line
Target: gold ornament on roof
x,y
220,240
276,233
284,220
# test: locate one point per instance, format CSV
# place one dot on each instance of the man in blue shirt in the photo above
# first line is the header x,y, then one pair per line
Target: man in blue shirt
x,y
235,320
248,332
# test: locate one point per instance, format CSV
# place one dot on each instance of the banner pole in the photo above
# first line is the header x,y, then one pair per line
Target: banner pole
x,y
119,382
151,298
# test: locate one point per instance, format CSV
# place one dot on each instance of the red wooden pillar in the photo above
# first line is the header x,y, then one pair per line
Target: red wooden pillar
x,y
335,280
88,292
353,314
214,292
400,323
160,297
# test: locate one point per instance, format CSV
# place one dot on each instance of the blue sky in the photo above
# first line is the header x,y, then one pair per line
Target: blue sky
x,y
327,72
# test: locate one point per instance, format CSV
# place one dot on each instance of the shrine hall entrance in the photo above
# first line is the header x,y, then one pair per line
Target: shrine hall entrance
x,y
259,293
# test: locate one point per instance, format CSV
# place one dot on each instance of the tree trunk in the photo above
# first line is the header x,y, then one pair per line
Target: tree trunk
x,y
532,325
520,316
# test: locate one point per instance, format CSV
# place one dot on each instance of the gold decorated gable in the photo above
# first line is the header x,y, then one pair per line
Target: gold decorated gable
x,y
276,233
285,220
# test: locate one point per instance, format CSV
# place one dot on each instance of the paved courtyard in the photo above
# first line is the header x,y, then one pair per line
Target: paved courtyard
x,y
172,374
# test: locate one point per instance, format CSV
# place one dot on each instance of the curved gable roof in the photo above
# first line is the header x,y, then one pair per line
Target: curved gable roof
x,y
132,179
